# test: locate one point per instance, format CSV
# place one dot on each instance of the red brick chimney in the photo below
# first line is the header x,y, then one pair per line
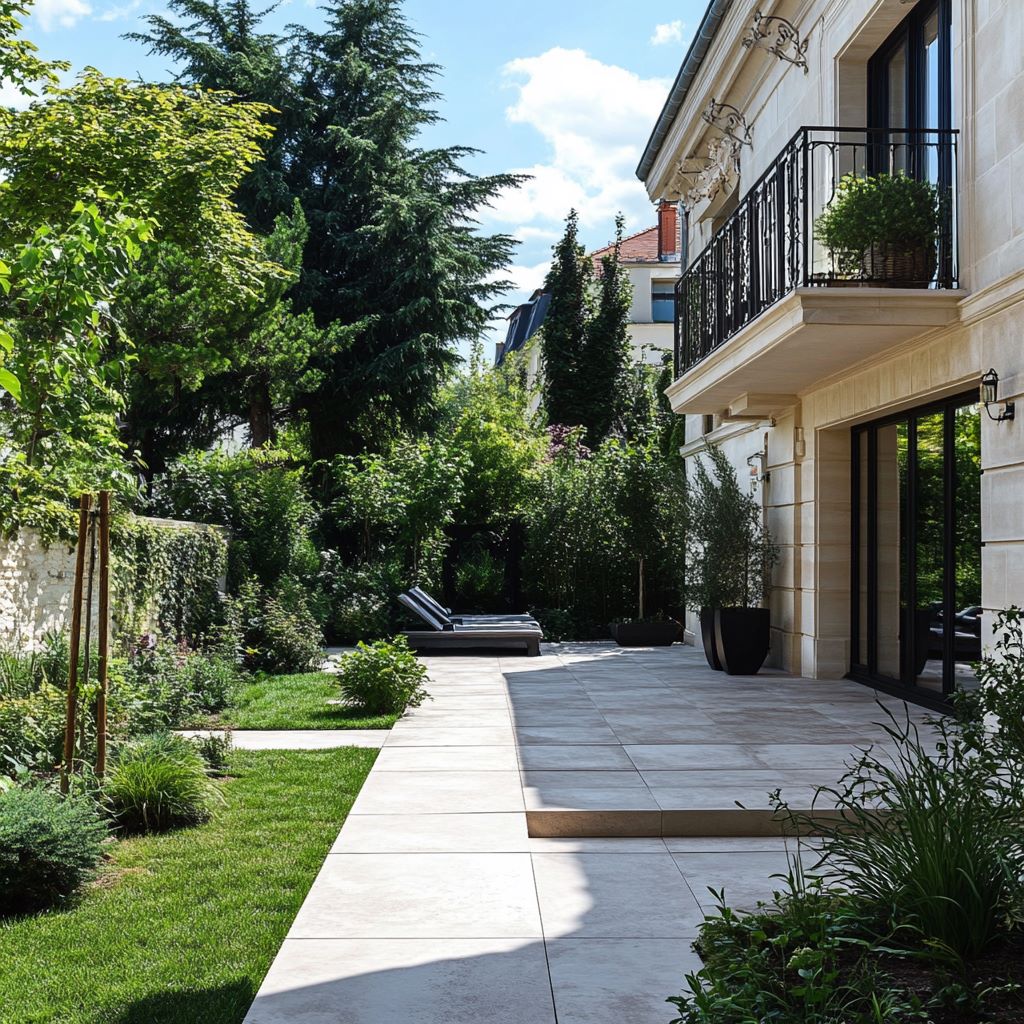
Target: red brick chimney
x,y
668,231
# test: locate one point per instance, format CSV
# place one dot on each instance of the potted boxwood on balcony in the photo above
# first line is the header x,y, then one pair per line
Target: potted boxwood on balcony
x,y
883,229
641,509
729,560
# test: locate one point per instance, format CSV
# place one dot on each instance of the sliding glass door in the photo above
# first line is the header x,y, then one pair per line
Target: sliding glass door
x,y
916,616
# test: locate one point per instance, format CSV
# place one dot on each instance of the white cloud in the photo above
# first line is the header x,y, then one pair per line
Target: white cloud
x,y
670,32
60,13
595,118
116,13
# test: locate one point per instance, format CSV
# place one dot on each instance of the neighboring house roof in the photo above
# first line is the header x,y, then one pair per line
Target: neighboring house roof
x,y
639,248
713,17
523,323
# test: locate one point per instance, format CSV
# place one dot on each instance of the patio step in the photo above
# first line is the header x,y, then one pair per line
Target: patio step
x,y
680,822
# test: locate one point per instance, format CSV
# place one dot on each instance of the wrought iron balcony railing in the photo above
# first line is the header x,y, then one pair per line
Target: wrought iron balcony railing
x,y
770,244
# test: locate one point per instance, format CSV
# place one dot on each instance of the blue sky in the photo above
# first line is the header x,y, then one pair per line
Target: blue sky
x,y
566,90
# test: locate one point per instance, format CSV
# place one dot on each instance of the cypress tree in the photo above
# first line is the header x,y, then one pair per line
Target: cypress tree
x,y
564,335
604,380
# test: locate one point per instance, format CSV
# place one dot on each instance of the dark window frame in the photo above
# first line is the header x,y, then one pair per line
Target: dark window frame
x,y
867,434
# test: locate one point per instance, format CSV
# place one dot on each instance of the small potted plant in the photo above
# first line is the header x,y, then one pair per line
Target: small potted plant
x,y
882,229
729,559
639,518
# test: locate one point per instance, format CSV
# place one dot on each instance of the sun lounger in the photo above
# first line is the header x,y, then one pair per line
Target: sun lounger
x,y
439,609
444,634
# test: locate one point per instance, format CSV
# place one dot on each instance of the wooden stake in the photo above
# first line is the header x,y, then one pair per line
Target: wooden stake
x,y
84,504
85,662
103,638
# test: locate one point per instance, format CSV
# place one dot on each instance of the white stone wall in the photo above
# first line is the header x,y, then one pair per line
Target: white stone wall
x,y
36,585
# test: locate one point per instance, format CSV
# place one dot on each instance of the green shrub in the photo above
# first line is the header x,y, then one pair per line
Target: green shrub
x,y
361,597
166,685
382,677
49,846
32,688
159,782
884,209
214,748
729,553
557,624
993,714
280,633
801,958
480,579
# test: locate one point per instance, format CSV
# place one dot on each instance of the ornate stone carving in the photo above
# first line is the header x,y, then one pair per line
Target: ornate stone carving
x,y
722,169
779,37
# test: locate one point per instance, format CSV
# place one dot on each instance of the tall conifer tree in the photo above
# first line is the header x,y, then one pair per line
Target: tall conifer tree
x,y
564,335
607,356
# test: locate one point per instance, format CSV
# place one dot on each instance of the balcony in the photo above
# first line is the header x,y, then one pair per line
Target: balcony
x,y
766,310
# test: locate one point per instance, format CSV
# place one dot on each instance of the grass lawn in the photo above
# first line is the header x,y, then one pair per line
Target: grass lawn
x,y
182,927
295,702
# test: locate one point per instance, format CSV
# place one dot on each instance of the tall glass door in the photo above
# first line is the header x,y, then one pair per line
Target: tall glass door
x,y
917,547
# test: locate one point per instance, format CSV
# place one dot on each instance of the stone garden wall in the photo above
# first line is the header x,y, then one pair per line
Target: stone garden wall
x,y
36,580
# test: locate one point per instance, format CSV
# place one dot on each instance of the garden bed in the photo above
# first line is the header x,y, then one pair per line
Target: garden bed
x,y
182,927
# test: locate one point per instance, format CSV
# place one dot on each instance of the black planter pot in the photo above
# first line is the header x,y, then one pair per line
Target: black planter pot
x,y
708,638
645,634
742,636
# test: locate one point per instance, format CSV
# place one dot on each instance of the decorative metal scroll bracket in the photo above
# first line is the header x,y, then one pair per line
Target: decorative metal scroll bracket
x,y
728,120
779,37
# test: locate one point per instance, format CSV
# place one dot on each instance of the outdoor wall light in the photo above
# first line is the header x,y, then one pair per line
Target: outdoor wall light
x,y
990,397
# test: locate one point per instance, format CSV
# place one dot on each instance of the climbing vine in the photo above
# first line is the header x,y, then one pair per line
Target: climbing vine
x,y
167,578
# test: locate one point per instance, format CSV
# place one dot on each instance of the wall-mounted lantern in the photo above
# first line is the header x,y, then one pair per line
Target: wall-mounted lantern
x,y
990,397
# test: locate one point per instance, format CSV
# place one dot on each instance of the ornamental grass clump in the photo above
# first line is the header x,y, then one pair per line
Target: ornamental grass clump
x,y
159,782
931,843
49,846
383,677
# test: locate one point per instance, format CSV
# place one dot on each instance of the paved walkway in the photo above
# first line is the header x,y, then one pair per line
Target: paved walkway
x,y
297,739
436,907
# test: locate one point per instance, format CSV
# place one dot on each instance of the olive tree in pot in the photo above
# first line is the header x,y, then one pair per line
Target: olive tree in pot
x,y
644,488
883,229
729,559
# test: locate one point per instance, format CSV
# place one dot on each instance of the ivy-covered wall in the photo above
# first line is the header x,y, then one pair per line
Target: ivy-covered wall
x,y
166,577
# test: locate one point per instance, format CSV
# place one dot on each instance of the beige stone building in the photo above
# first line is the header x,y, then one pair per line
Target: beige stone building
x,y
842,368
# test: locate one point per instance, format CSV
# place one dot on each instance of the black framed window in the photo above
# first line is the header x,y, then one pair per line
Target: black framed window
x,y
916,558
910,80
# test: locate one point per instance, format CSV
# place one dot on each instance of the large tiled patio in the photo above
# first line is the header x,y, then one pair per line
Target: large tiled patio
x,y
446,900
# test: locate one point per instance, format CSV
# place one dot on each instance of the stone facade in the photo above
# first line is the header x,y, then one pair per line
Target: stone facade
x,y
807,438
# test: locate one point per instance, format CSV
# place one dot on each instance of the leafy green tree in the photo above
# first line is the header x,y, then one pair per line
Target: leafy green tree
x,y
485,411
59,383
564,335
175,155
402,498
219,46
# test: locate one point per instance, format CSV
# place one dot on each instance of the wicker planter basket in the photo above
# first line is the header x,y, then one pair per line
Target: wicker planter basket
x,y
895,265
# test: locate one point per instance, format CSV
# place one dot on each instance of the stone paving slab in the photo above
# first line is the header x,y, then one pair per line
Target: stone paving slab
x,y
297,739
454,895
